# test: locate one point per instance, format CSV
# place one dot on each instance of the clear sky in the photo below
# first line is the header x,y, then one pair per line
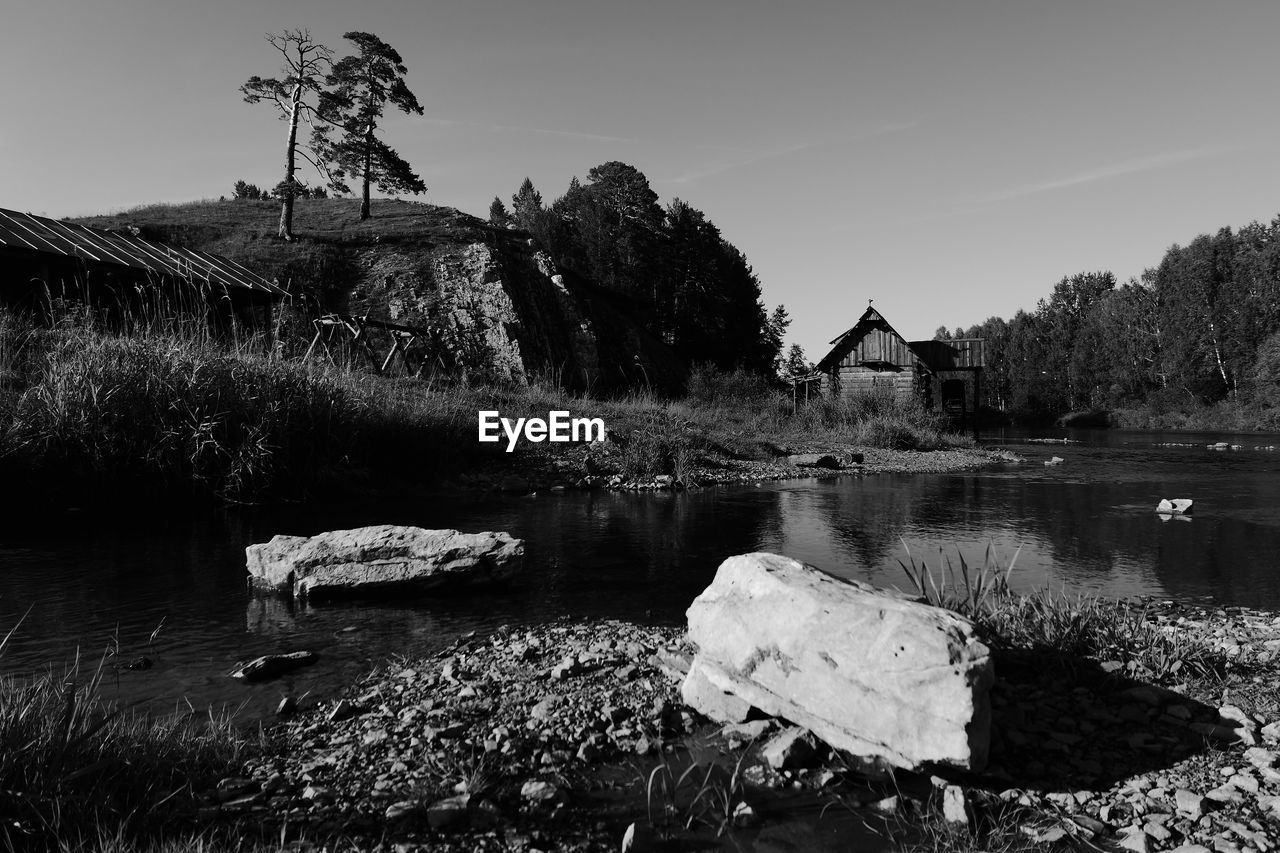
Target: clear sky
x,y
951,159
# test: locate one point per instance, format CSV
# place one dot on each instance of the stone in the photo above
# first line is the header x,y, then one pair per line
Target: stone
x,y
539,791
402,810
1259,757
273,666
383,558
789,749
739,733
816,460
1133,838
870,672
449,812
1189,803
954,808
1177,506
709,698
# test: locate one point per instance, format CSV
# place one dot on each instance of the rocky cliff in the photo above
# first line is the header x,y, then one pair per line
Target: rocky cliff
x,y
492,304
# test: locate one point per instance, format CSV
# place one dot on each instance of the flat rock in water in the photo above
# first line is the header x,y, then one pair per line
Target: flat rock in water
x,y
272,666
816,460
382,559
868,671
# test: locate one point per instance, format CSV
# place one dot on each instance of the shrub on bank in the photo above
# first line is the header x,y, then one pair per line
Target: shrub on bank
x,y
154,414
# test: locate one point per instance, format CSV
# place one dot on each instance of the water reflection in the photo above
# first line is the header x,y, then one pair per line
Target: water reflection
x,y
1086,525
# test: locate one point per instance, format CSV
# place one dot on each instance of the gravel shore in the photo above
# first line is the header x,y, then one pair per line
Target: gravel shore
x,y
555,738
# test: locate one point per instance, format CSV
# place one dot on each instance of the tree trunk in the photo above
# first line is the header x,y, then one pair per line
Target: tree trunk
x,y
368,166
290,160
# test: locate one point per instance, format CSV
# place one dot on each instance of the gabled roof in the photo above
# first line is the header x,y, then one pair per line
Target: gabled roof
x,y
25,233
870,316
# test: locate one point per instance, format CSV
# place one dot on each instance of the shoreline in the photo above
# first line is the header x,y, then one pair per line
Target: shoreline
x,y
510,742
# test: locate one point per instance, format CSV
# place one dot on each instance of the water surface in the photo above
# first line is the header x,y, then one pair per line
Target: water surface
x,y
1086,525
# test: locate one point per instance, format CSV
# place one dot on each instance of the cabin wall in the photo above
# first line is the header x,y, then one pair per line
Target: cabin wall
x,y
852,381
964,405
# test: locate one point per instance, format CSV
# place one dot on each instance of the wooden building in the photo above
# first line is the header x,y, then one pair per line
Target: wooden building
x,y
46,260
872,358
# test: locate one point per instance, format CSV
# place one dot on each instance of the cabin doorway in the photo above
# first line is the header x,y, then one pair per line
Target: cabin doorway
x,y
953,394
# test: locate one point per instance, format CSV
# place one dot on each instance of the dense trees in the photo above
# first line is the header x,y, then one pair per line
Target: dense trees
x,y
684,282
1201,327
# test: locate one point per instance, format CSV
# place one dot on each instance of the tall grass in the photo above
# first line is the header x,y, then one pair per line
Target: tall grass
x,y
1060,625
74,768
168,411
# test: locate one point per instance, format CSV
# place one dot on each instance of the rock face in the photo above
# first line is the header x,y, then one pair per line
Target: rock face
x,y
868,671
385,558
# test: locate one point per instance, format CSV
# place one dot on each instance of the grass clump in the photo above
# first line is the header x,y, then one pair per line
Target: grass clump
x,y
1061,625
73,768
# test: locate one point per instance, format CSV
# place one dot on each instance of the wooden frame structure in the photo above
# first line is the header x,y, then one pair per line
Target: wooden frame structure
x,y
356,331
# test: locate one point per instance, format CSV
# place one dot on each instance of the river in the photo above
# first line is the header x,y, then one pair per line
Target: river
x,y
90,586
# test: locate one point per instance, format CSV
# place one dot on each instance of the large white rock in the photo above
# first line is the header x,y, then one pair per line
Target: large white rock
x,y
382,559
869,671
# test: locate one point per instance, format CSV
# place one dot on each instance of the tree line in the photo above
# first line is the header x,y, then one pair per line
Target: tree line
x,y
685,283
1200,328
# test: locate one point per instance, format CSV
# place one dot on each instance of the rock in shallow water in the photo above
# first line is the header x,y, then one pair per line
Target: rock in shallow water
x,y
868,671
382,559
271,666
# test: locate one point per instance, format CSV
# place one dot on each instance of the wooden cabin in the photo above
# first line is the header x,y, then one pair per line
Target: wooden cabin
x,y
43,261
872,358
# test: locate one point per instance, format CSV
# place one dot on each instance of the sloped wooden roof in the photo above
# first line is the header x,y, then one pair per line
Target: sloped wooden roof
x,y
870,319
35,235
932,355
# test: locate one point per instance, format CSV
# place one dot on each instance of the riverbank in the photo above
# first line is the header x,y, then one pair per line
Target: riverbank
x,y
1116,725
89,418
567,736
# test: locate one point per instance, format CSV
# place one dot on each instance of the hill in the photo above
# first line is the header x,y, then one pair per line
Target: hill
x,y
492,305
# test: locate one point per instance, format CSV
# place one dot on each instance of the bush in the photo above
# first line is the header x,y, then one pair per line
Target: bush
x,y
709,385
663,444
152,414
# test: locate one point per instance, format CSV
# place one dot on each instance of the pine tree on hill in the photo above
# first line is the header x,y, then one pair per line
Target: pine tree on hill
x,y
360,87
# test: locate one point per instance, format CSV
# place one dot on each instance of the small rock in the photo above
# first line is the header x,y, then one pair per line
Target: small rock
x,y
1133,838
538,791
342,711
791,748
1259,757
449,812
271,666
888,805
953,805
402,810
1189,803
744,815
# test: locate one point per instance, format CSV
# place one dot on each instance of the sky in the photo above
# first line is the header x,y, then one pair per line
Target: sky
x,y
950,159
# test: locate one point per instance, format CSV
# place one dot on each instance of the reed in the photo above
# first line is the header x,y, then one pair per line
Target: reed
x,y
75,767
